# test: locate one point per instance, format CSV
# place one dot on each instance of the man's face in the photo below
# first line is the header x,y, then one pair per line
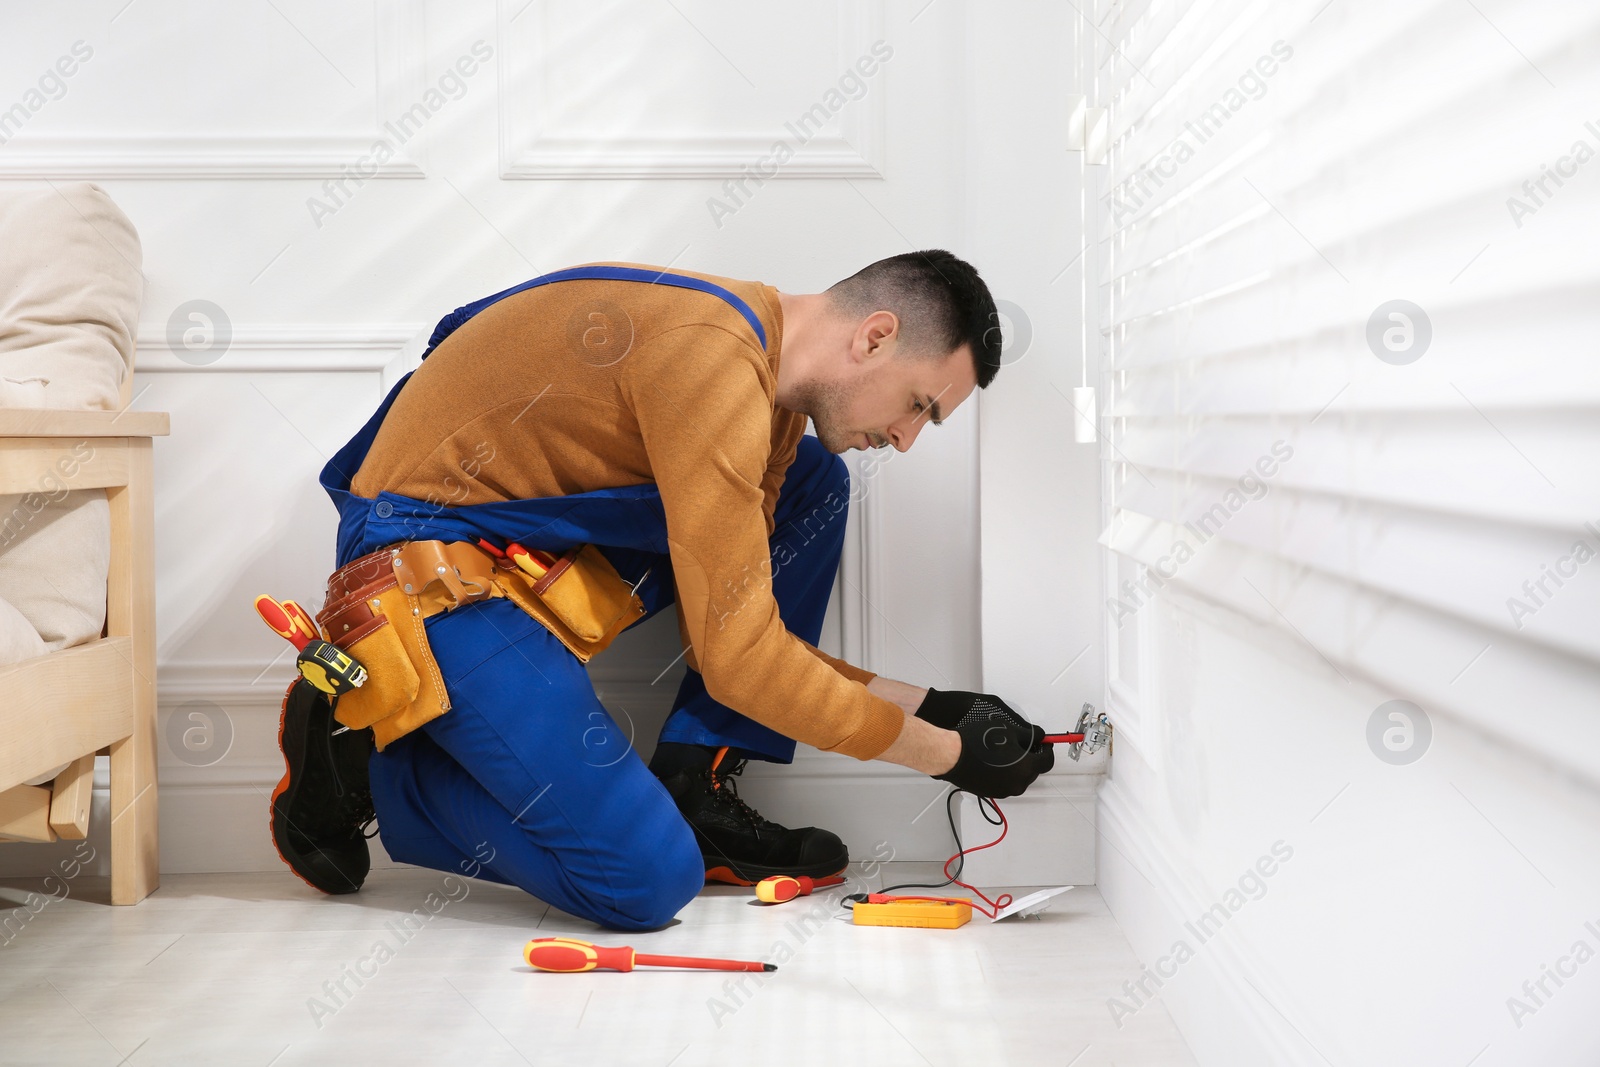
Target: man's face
x,y
882,397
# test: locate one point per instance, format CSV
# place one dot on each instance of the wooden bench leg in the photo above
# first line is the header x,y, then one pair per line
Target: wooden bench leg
x,y
135,851
131,610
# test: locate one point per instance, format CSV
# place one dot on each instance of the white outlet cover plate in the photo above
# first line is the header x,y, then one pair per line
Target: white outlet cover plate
x,y
1030,904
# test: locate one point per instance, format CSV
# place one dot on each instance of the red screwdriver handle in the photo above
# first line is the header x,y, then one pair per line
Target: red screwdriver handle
x,y
568,955
285,624
782,887
302,620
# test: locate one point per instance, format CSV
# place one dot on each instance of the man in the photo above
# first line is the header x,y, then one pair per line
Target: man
x,y
659,416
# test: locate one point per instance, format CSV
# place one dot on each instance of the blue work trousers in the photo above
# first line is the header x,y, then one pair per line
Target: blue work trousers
x,y
528,780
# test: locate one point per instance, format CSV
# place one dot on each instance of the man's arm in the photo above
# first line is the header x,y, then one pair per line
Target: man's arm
x,y
849,670
909,697
704,418
924,747
921,745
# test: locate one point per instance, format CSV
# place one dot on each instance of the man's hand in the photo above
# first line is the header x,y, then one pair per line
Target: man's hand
x,y
999,759
974,741
1001,752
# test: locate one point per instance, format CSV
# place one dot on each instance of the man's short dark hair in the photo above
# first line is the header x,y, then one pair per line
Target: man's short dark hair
x,y
940,300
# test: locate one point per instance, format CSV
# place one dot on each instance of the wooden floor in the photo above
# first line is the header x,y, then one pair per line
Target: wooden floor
x,y
424,968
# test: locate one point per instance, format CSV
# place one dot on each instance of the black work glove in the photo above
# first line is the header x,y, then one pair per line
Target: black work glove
x,y
1001,752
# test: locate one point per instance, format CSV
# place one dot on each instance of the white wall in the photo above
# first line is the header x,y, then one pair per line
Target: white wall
x,y
1397,907
582,132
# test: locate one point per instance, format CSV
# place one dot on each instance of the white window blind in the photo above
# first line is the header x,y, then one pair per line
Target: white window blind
x,y
1278,175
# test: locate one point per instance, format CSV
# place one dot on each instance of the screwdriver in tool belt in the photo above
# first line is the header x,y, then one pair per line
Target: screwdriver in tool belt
x,y
532,561
568,955
324,664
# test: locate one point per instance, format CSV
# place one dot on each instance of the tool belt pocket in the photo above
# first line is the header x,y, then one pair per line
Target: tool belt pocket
x,y
392,681
581,599
375,611
588,595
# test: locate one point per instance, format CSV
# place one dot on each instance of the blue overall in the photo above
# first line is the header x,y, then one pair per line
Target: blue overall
x,y
527,779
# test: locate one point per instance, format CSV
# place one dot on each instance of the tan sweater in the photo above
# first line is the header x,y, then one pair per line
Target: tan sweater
x,y
584,385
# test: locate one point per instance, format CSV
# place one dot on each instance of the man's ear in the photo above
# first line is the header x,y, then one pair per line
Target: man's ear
x,y
877,335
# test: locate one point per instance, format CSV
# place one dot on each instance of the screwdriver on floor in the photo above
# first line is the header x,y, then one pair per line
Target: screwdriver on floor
x,y
568,955
782,887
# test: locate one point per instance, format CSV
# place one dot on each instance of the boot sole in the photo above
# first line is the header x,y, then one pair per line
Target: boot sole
x,y
748,874
283,798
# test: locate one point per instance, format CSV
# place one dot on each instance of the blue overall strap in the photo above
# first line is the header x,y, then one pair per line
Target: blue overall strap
x,y
451,322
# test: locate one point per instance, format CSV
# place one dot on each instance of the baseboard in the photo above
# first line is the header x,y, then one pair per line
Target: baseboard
x,y
1225,1000
214,810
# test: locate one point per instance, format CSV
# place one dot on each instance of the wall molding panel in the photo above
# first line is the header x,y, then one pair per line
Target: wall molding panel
x,y
289,348
388,350
527,152
399,50
863,630
139,156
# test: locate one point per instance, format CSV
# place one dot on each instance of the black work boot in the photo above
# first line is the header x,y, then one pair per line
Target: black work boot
x,y
323,803
739,846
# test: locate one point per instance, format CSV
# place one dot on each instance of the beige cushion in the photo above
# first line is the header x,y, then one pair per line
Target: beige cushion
x,y
18,639
70,290
54,561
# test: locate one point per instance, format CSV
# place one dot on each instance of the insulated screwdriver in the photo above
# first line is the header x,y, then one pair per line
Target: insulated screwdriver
x,y
1090,735
532,561
782,887
568,955
323,663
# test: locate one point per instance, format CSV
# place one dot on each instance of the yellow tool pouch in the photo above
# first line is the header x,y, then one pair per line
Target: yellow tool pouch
x,y
377,604
581,599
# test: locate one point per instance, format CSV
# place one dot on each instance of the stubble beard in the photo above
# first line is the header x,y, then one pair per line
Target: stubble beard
x,y
826,403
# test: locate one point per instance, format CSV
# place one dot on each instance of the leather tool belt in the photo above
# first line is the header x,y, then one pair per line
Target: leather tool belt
x,y
376,606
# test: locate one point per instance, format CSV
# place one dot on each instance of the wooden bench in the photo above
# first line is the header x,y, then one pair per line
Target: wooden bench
x,y
68,706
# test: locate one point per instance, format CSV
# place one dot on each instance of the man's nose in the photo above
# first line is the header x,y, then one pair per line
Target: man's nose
x,y
904,433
